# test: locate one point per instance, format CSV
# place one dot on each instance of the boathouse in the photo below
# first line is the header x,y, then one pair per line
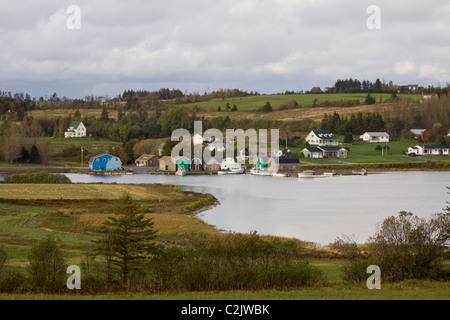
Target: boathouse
x,y
105,162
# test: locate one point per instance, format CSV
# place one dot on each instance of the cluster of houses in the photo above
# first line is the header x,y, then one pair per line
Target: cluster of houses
x,y
326,145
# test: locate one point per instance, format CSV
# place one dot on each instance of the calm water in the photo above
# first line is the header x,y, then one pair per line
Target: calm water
x,y
317,210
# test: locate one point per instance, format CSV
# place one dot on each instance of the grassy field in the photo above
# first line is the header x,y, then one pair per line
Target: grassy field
x,y
252,103
408,290
30,212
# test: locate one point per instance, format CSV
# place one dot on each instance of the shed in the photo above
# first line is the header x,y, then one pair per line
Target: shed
x,y
196,164
105,162
211,165
286,163
147,160
182,162
166,164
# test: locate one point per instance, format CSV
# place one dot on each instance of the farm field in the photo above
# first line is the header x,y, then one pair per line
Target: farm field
x,y
28,213
252,103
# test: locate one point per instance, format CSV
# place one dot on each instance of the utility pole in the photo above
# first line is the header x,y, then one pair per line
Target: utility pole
x,y
81,156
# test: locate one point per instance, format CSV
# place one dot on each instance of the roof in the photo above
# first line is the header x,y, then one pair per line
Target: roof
x,y
418,131
436,146
284,159
146,157
313,150
331,149
74,124
91,160
378,134
178,158
324,134
212,161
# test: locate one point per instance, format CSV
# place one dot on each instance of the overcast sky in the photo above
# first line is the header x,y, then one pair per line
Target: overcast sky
x,y
267,46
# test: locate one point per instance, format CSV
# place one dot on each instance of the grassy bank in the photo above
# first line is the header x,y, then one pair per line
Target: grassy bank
x,y
28,213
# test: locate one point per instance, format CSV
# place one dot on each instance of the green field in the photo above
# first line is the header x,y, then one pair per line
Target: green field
x,y
28,213
409,290
252,103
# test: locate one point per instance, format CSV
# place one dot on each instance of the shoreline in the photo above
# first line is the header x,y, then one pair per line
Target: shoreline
x,y
338,169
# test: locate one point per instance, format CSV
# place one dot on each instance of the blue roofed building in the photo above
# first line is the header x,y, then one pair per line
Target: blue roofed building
x,y
105,162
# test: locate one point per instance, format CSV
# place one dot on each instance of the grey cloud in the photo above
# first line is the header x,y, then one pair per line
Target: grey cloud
x,y
263,45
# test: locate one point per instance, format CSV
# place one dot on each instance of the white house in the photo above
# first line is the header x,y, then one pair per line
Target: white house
x,y
375,137
313,153
322,138
429,150
75,130
325,152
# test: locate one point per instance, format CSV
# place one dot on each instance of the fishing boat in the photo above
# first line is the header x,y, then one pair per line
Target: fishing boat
x,y
310,174
279,175
235,170
259,172
180,172
361,172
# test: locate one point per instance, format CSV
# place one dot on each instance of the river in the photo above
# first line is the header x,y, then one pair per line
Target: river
x,y
317,210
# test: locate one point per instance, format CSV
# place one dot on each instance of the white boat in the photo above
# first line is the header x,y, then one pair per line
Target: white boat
x,y
310,174
279,175
180,172
231,171
329,174
362,172
259,172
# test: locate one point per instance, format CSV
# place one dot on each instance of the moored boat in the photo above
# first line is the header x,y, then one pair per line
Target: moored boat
x,y
180,172
310,174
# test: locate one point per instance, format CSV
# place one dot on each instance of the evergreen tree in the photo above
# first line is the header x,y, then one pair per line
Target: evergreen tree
x,y
24,155
234,109
370,99
130,237
348,138
267,107
105,116
34,155
77,115
120,115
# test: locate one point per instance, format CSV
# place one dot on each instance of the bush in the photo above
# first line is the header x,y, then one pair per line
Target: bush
x,y
233,262
409,247
44,178
47,268
404,247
